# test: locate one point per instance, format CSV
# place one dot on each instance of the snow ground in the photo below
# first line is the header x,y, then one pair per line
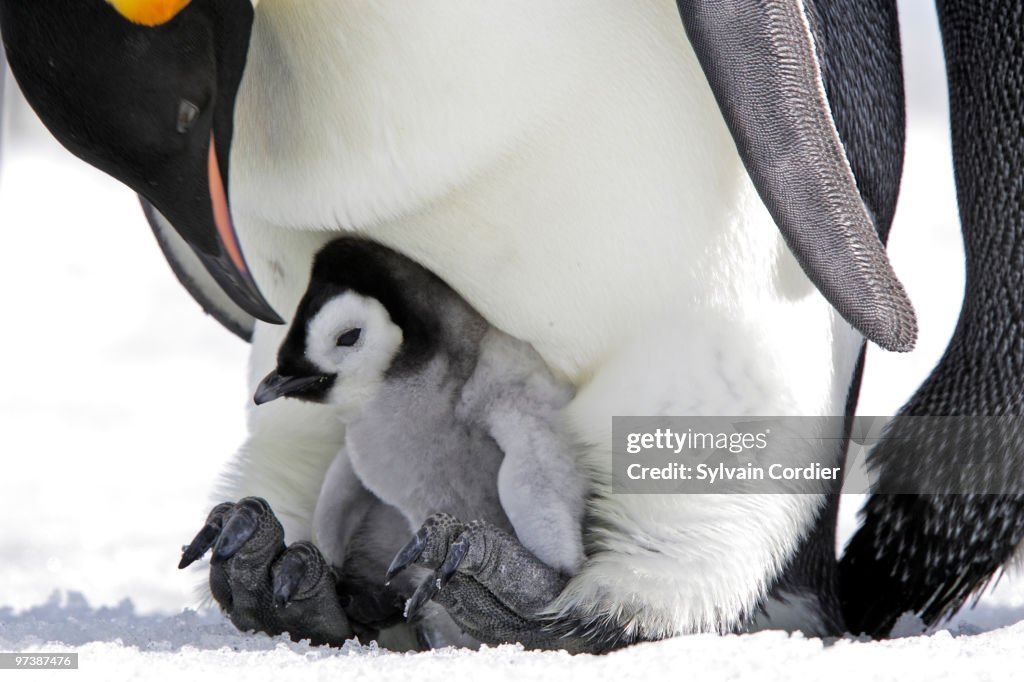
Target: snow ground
x,y
111,442
116,644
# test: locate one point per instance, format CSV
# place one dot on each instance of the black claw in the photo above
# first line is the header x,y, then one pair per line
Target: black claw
x,y
456,553
407,555
424,593
289,574
203,541
239,528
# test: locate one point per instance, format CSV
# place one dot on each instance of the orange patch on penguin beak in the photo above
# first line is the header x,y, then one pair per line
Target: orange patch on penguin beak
x,y
149,12
221,214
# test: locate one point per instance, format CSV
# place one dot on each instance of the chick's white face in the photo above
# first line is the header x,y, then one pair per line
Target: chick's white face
x,y
353,337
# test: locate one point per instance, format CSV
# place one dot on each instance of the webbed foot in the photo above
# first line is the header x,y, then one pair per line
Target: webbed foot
x,y
263,585
495,589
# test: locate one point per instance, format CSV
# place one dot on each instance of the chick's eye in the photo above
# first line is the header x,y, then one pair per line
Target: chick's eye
x,y
350,337
187,115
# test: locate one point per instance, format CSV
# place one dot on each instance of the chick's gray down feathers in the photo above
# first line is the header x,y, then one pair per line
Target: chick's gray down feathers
x,y
469,424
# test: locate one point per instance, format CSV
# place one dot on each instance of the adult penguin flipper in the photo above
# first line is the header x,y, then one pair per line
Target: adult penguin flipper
x,y
195,277
761,61
928,553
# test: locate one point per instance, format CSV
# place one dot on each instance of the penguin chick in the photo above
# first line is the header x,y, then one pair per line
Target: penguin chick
x,y
443,412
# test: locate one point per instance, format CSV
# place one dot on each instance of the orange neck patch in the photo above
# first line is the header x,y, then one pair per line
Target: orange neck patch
x,y
149,12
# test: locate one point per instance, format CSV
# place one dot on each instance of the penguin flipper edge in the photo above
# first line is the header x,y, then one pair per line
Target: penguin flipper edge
x,y
760,60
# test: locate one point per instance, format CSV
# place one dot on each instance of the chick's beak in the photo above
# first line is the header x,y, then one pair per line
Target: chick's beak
x,y
276,385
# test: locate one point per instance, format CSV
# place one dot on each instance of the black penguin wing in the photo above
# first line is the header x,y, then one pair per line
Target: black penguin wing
x,y
928,553
762,62
195,278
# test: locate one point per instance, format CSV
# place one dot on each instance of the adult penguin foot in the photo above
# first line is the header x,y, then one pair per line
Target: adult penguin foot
x,y
263,585
495,589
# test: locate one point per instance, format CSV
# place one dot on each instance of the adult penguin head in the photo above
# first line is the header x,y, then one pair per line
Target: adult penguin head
x,y
145,90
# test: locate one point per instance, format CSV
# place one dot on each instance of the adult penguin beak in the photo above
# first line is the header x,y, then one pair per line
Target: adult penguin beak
x,y
227,264
145,91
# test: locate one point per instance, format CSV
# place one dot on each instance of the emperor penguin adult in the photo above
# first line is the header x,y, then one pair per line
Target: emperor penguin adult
x,y
928,554
681,219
